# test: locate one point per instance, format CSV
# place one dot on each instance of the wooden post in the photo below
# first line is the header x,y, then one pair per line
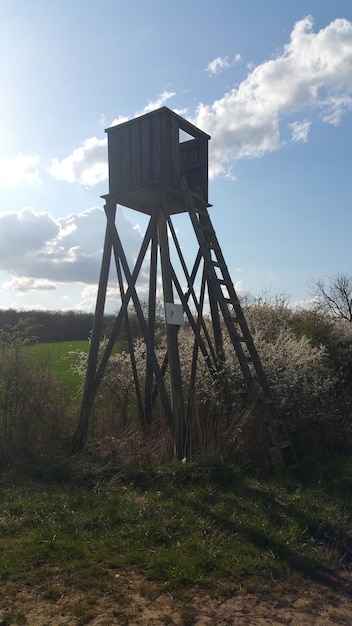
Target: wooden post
x,y
148,394
172,343
80,436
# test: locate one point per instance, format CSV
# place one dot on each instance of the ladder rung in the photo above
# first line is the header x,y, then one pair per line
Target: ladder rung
x,y
236,320
244,339
235,305
238,317
251,360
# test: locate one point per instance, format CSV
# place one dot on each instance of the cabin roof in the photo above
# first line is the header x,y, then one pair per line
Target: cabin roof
x,y
183,124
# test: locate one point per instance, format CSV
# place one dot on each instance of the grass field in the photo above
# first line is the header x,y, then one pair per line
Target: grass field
x,y
178,525
59,359
77,523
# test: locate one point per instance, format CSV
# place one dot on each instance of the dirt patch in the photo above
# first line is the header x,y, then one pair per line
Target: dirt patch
x,y
130,601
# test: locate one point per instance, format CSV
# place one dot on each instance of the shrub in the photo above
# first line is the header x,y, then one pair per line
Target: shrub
x,y
32,414
310,381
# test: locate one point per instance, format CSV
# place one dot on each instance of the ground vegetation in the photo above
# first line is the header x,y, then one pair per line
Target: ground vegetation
x,y
123,534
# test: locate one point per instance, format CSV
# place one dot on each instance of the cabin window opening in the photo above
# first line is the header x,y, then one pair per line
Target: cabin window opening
x,y
183,136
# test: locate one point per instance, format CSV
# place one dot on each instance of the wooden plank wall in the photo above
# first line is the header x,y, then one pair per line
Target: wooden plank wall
x,y
142,152
147,151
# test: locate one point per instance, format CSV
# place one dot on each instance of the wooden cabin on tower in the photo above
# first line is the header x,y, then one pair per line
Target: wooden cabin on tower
x,y
157,150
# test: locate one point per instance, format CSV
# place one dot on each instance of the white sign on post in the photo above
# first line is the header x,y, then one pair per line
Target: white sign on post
x,y
174,313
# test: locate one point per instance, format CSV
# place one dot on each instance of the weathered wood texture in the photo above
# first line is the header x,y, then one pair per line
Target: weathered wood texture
x,y
147,152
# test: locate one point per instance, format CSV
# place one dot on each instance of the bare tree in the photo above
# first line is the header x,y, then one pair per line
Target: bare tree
x,y
335,295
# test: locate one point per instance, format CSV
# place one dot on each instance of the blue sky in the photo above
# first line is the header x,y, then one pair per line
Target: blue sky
x,y
271,82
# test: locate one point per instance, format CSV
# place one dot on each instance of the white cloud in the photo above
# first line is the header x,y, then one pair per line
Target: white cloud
x,y
24,233
102,120
86,165
156,104
335,107
221,63
38,252
119,120
19,169
300,130
89,296
314,71
217,65
24,284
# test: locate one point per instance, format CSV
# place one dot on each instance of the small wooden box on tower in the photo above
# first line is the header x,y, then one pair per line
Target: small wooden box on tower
x,y
153,152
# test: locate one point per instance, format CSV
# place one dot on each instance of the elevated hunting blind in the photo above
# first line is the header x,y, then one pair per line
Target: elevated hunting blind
x,y
158,165
155,150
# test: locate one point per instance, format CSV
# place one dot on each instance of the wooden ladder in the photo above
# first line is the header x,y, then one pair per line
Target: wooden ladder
x,y
273,425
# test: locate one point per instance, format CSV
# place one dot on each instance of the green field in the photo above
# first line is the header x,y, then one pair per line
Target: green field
x,y
59,358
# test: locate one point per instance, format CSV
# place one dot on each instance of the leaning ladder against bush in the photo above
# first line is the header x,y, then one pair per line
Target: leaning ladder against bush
x,y
279,444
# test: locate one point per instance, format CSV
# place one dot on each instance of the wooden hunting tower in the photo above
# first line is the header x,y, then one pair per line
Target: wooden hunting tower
x,y
155,150
158,165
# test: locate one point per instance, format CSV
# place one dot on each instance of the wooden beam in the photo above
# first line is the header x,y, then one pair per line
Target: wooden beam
x,y
172,342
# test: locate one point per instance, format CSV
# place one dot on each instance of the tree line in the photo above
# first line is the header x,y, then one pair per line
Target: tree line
x,y
52,325
332,296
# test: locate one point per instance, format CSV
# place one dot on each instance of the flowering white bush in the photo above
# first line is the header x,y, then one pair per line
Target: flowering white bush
x,y
219,420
